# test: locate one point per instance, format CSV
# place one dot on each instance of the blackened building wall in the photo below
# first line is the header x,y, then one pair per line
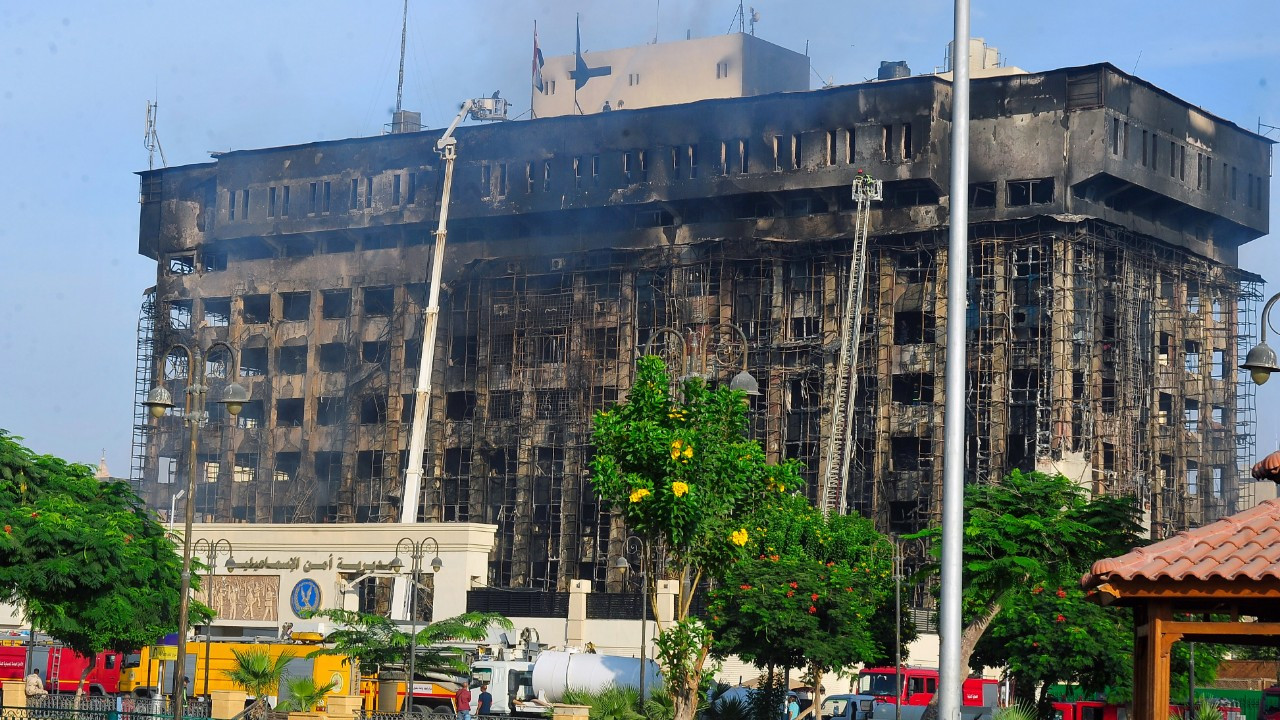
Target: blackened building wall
x,y
1107,313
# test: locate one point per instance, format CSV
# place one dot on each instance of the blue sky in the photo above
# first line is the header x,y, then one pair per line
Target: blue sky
x,y
75,78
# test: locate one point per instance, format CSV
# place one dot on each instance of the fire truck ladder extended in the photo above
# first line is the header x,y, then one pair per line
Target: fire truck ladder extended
x,y
840,441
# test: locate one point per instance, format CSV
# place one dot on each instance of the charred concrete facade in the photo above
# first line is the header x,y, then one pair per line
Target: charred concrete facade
x,y
1107,313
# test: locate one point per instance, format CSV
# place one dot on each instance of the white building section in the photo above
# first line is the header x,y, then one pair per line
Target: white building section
x,y
670,73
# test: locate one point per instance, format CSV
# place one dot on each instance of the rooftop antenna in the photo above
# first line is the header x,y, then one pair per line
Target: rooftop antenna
x,y
755,18
740,17
657,13
404,30
150,140
1263,126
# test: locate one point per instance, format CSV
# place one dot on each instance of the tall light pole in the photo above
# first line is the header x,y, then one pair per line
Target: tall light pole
x,y
211,548
416,550
950,665
638,544
159,401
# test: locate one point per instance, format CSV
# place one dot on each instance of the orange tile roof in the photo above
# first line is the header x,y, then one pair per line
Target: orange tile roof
x,y
1244,546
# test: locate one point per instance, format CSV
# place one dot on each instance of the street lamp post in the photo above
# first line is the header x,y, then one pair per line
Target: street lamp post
x,y
211,548
1261,360
159,401
638,544
727,347
416,550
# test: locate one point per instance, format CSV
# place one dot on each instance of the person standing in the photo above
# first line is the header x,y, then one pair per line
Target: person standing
x,y
793,707
462,701
486,701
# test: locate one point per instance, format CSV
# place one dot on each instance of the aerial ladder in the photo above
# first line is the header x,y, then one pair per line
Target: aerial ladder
x,y
490,108
840,442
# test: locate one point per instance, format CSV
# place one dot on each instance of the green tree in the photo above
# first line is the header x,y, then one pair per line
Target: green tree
x,y
682,473
1053,635
807,592
1031,530
85,560
366,639
258,674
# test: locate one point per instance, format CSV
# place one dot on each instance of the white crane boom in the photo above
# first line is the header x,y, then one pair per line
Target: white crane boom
x,y
491,108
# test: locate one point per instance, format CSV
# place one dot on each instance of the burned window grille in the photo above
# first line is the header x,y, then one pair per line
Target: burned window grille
x,y
460,405
804,282
255,309
504,404
217,312
289,412
603,343
376,352
552,404
373,410
1037,191
913,327
295,306
378,301
286,466
245,469
370,464
982,195
332,357
180,314
910,453
456,485
253,361
330,411
547,349
292,360
184,264
912,389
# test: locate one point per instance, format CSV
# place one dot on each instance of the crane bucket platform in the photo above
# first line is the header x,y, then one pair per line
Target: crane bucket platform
x,y
490,108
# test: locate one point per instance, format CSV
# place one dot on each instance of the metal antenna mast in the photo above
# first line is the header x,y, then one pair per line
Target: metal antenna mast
x,y
404,30
150,140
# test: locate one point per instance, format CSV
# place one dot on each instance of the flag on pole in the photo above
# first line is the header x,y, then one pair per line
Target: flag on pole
x,y
538,62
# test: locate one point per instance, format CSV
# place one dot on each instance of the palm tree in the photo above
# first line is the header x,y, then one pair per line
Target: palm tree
x,y
258,674
368,639
305,694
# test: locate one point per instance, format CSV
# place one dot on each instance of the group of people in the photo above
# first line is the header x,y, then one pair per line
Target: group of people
x,y
462,701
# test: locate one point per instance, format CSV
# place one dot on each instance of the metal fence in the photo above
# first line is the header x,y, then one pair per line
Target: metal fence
x,y
96,707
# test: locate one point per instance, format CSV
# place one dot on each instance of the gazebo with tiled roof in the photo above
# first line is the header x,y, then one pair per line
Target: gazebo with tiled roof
x,y
1228,568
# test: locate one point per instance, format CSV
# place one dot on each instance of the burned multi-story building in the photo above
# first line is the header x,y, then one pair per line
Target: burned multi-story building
x,y
1107,313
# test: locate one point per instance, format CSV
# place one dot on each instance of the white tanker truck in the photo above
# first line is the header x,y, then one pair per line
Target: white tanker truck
x,y
524,687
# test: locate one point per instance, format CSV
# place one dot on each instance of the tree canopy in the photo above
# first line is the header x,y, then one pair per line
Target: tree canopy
x,y
808,591
1025,533
682,472
84,559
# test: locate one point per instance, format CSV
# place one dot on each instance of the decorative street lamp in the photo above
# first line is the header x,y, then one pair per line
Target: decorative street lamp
x,y
159,401
636,544
1261,360
210,548
696,355
416,550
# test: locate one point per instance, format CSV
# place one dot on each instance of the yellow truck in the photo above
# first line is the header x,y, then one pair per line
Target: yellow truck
x,y
150,672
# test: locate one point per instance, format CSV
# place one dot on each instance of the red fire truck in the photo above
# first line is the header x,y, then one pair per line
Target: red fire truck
x,y
60,667
919,685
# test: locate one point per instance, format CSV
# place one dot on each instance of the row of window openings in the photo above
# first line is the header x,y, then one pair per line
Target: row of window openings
x,y
320,197
1191,416
1220,368
1150,157
1018,193
788,154
294,307
459,405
